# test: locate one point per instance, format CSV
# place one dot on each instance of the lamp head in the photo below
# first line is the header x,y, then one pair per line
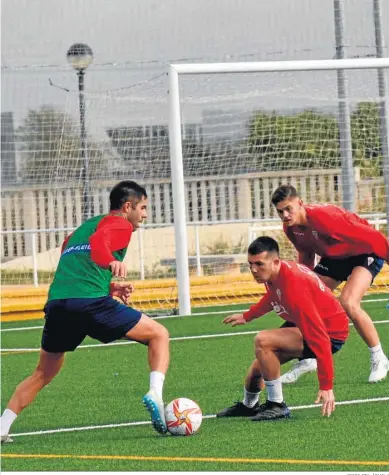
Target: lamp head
x,y
79,56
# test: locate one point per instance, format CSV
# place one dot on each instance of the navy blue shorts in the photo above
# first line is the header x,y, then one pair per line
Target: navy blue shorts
x,y
340,269
69,321
336,345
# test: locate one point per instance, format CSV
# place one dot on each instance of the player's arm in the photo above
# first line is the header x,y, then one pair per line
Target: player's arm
x,y
113,233
255,311
336,224
122,290
64,244
305,256
259,309
307,259
315,334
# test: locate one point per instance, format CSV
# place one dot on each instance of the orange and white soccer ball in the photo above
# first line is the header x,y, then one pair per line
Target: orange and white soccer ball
x,y
183,416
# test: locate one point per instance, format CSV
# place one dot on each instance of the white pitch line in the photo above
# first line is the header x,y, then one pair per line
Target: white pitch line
x,y
210,416
21,329
219,312
119,343
344,403
376,322
177,338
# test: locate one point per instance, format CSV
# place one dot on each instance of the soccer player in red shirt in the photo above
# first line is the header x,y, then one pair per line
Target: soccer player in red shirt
x,y
80,304
316,327
350,249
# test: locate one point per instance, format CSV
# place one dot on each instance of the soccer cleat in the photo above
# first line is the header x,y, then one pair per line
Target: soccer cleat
x,y
6,439
299,368
239,410
379,368
157,411
271,411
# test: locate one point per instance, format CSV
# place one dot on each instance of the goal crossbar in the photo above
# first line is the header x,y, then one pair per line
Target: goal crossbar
x,y
274,66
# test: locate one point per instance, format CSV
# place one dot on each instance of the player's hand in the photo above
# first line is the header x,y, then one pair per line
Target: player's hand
x,y
122,290
328,399
119,269
236,319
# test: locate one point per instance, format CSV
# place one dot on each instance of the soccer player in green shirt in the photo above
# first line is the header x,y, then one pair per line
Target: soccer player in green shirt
x,y
80,303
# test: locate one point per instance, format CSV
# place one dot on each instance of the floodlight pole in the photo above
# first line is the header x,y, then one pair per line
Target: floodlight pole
x,y
84,148
383,104
344,121
80,57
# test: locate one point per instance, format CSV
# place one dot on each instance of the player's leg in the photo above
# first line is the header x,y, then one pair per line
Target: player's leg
x,y
330,282
252,388
350,298
254,381
300,367
276,347
63,331
272,348
48,367
110,321
156,337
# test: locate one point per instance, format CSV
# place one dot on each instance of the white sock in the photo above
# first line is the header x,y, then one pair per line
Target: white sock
x,y
274,390
250,399
307,361
6,420
156,382
376,350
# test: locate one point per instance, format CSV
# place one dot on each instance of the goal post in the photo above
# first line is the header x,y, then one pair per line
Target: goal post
x,y
177,171
176,153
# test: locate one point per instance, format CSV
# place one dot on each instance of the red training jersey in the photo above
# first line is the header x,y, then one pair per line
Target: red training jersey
x,y
299,296
332,231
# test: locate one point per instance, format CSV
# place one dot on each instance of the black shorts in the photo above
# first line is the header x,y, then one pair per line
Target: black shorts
x,y
336,345
69,321
340,269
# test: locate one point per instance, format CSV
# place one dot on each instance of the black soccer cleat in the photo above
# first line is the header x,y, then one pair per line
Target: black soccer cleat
x,y
271,411
239,410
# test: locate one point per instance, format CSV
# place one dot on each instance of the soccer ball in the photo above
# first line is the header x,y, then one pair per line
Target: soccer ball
x,y
183,416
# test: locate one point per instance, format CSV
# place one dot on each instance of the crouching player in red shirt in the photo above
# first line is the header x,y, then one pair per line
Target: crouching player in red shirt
x,y
316,327
351,250
80,304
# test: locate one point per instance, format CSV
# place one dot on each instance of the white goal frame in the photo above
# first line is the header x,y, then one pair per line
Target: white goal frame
x,y
176,158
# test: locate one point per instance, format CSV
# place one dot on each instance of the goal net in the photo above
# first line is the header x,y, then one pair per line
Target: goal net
x,y
241,136
263,129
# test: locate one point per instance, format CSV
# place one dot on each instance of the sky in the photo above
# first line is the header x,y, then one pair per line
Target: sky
x,y
134,41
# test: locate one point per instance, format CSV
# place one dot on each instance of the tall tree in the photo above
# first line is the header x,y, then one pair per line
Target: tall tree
x,y
366,141
50,148
310,139
303,140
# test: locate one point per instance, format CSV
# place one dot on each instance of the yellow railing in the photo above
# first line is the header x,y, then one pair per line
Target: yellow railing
x,y
26,303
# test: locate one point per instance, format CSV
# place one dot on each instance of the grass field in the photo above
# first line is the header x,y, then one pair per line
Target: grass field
x,y
97,398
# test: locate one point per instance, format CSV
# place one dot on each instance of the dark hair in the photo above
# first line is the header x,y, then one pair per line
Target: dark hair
x,y
264,244
126,190
282,193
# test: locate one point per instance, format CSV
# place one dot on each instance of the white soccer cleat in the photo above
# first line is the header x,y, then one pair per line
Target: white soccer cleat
x,y
299,368
379,368
5,439
157,411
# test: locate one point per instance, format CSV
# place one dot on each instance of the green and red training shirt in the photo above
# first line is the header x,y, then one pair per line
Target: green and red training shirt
x,y
83,269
